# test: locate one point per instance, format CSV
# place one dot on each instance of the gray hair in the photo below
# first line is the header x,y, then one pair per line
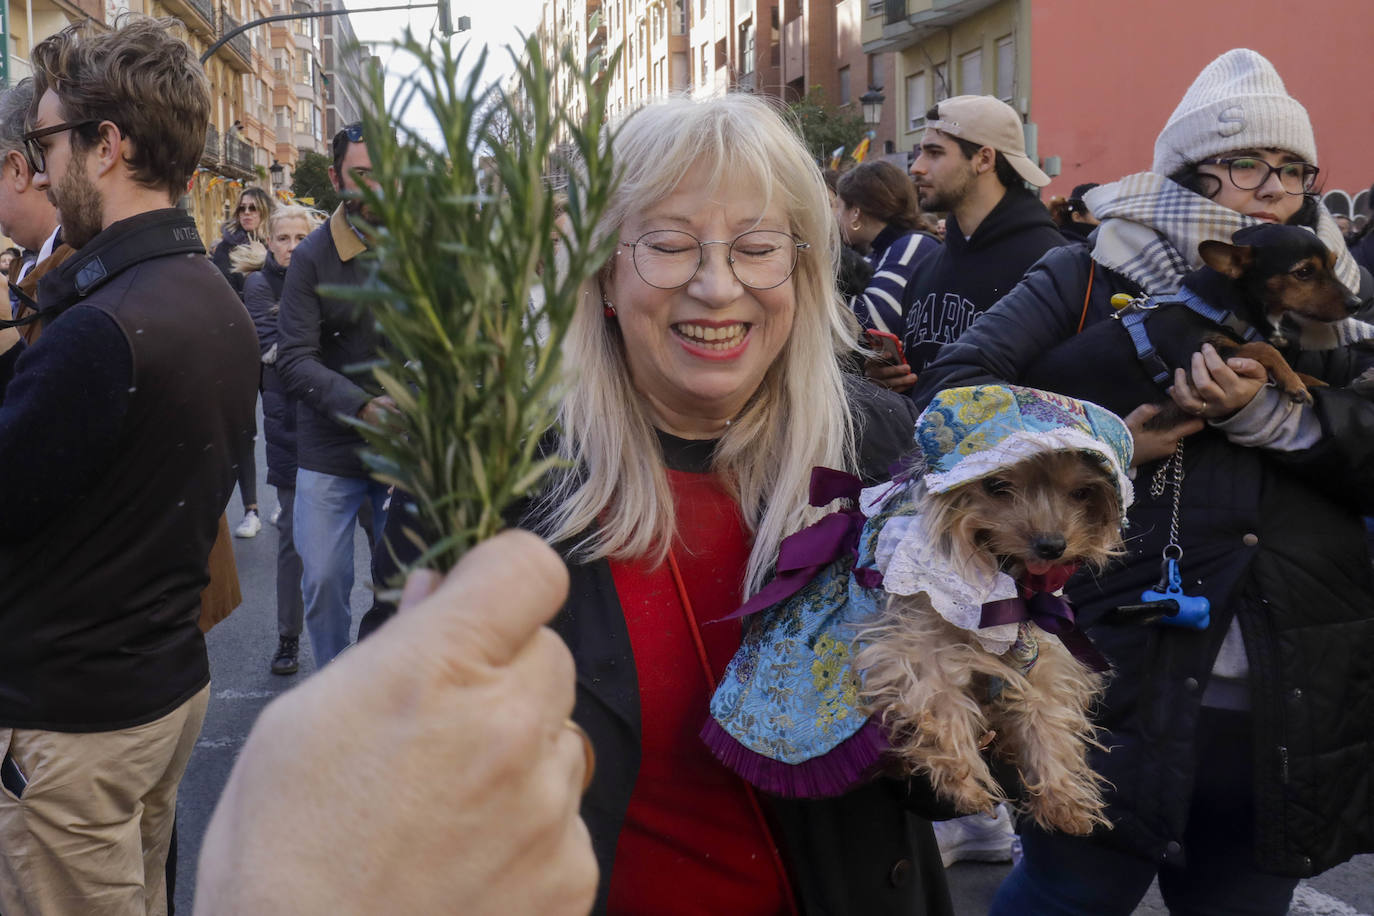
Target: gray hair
x,y
14,115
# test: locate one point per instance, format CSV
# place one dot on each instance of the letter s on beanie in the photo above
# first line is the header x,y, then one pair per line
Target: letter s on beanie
x,y
1237,102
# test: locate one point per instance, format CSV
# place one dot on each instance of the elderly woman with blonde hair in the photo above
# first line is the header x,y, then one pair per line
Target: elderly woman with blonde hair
x,y
265,270
703,388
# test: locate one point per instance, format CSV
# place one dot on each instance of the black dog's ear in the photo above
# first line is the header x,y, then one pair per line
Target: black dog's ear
x,y
1231,260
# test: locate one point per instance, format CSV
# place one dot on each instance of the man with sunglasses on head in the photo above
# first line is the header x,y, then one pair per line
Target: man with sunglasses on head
x,y
119,430
324,345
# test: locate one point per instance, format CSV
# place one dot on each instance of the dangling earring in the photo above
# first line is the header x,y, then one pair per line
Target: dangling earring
x,y
606,308
854,227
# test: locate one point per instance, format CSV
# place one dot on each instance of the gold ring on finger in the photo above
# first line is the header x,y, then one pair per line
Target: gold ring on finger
x,y
588,752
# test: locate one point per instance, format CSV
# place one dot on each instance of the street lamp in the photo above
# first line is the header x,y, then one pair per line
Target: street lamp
x,y
278,175
872,101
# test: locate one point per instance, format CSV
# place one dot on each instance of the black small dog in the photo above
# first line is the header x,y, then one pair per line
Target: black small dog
x,y
1268,271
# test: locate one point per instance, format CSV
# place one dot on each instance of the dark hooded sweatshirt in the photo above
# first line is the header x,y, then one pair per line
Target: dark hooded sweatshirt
x,y
966,276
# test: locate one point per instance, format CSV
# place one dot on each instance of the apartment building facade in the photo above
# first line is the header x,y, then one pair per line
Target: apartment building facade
x,y
265,84
1095,80
779,48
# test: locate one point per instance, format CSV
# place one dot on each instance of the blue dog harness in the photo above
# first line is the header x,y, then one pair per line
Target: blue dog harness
x,y
1135,313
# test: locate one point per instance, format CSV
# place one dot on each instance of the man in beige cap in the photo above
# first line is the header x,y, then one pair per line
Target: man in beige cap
x,y
971,163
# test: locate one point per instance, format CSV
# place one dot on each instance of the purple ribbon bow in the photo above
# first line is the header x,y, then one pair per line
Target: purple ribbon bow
x,y
802,555
1051,613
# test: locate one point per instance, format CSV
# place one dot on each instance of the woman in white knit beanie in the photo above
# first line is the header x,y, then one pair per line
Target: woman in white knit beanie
x,y
1239,756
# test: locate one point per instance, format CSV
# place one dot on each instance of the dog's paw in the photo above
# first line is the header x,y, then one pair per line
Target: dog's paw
x,y
1299,396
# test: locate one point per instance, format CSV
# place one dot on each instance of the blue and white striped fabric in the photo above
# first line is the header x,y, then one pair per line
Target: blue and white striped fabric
x,y
894,256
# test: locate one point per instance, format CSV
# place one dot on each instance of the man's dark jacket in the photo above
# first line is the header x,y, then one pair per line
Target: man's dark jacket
x,y
1271,538
323,346
964,278
261,295
120,429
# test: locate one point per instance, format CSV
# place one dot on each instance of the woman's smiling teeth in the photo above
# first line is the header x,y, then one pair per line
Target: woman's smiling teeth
x,y
713,338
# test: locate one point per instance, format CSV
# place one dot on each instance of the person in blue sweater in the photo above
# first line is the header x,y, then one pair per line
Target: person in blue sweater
x,y
875,206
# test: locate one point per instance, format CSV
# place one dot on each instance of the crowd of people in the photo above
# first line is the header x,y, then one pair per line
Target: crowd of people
x,y
546,758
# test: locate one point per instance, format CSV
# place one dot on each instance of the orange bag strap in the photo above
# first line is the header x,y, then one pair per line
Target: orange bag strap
x,y
1092,269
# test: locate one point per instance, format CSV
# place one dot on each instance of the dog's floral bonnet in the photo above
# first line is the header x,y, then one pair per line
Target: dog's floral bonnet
x,y
787,716
969,433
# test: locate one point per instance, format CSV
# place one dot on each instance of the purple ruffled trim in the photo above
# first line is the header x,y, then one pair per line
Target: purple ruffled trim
x,y
831,774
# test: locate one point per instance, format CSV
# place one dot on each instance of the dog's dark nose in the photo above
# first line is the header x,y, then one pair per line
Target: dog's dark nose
x,y
1048,546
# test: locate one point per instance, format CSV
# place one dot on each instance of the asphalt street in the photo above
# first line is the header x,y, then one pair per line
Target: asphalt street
x,y
241,650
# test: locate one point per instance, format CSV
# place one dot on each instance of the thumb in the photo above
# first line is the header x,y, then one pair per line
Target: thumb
x,y
496,598
1141,415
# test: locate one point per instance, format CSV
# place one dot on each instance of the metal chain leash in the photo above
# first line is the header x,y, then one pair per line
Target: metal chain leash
x,y
1171,471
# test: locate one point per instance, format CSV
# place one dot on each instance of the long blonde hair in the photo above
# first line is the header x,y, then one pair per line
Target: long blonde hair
x,y
797,420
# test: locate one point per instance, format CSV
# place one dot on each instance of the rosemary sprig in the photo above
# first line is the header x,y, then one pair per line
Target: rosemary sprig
x,y
466,231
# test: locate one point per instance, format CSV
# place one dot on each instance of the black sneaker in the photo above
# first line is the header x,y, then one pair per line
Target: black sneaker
x,y
285,661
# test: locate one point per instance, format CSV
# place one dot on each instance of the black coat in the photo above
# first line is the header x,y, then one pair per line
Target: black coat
x,y
261,295
1273,539
232,238
868,853
965,277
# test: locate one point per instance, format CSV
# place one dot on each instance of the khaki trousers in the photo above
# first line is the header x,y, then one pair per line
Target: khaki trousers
x,y
89,836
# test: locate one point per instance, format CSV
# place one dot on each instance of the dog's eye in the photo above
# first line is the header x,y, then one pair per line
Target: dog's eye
x,y
1305,272
1081,494
996,486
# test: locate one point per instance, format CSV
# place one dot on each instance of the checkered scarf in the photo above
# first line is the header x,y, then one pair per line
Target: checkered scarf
x,y
1151,229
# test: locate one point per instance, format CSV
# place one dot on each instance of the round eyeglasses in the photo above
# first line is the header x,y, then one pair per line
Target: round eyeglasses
x,y
1249,173
759,259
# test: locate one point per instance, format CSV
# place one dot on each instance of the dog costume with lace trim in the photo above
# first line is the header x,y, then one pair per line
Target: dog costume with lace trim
x,y
787,715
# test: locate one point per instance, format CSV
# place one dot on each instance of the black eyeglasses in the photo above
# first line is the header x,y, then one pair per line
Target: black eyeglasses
x,y
669,258
1249,173
33,150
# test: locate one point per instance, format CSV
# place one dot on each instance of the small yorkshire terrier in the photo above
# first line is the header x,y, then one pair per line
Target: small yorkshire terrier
x,y
1013,486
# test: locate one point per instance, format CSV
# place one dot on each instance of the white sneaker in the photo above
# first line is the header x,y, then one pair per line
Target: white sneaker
x,y
250,526
975,838
276,516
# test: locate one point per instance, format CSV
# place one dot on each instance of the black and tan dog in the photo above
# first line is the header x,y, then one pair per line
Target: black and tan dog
x,y
1259,296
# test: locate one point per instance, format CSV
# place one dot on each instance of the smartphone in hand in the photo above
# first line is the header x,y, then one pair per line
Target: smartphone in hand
x,y
886,346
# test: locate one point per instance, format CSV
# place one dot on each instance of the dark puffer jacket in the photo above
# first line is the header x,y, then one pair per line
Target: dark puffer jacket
x,y
261,295
1271,538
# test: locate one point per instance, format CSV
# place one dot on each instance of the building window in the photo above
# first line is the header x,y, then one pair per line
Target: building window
x,y
705,49
844,86
875,71
746,47
917,101
1006,68
971,73
875,7
682,72
701,13
679,23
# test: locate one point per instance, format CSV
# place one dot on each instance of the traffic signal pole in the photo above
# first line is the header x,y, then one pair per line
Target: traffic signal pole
x,y
443,6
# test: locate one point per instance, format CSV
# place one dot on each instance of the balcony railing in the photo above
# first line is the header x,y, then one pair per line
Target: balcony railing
x,y
210,155
206,8
238,153
896,12
239,43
